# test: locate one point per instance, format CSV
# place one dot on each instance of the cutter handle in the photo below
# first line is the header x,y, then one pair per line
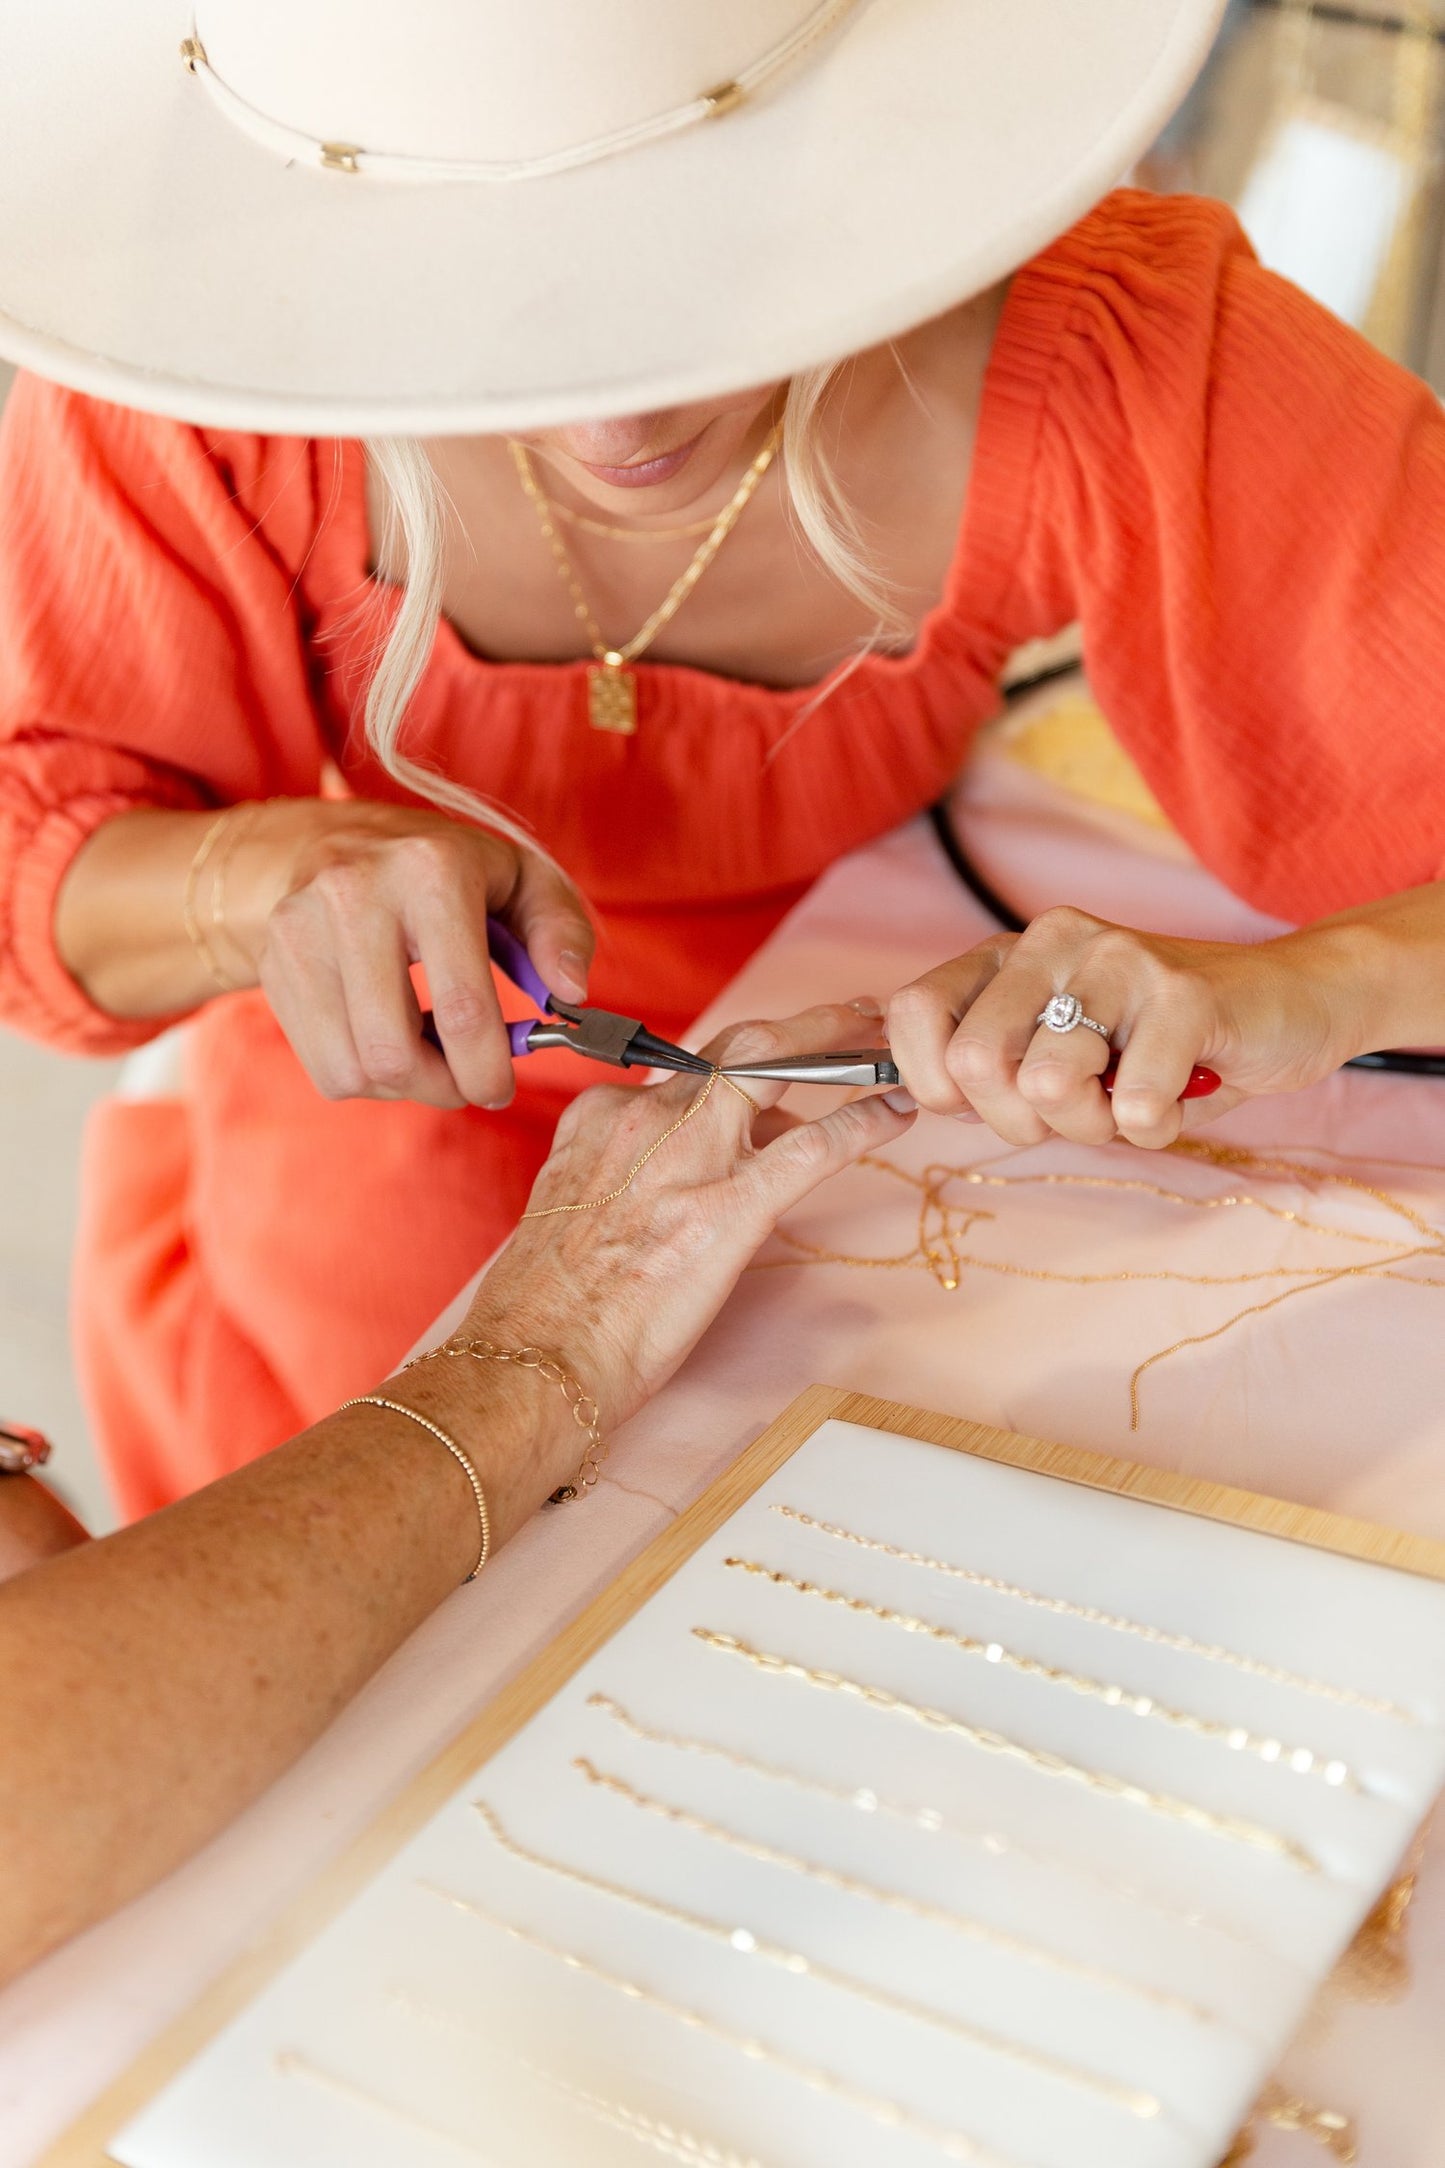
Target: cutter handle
x,y
1203,1083
508,951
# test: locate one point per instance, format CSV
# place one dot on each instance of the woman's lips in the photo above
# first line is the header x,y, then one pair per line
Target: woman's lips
x,y
644,473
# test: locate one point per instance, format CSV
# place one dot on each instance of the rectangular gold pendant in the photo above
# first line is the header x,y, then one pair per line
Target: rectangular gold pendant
x,y
612,700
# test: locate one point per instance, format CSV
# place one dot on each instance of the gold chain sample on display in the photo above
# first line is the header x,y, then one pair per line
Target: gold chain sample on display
x,y
1347,1697
611,686
958,1923
941,1246
658,2135
931,1820
291,2065
1300,1760
955,2145
747,1943
1047,1763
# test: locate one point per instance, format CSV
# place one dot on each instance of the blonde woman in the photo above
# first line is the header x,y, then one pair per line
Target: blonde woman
x,y
455,482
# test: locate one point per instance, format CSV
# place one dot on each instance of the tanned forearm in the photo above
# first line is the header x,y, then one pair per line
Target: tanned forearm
x,y
120,922
155,1681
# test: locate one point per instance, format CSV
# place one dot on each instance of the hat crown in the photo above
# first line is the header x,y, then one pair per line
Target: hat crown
x,y
481,80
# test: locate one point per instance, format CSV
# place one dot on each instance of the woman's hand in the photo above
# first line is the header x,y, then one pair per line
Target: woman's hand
x,y
625,1291
1270,1018
332,903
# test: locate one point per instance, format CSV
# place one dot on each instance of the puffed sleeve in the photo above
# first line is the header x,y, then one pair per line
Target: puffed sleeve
x,y
152,653
1243,503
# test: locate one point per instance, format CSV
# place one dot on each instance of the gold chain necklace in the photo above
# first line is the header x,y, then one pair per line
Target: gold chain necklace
x,y
1301,1760
931,1820
625,534
953,2144
1040,1758
1347,1697
611,686
941,1245
1132,2099
918,1908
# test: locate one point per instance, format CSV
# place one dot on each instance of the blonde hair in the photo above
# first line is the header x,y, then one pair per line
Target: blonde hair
x,y
414,516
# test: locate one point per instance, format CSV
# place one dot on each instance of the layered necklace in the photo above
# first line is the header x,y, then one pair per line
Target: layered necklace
x,y
611,685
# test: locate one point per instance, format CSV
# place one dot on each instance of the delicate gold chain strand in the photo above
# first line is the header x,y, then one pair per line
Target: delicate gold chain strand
x,y
585,1412
748,1944
670,2139
943,1229
1047,1763
931,1820
1286,2111
1214,1652
958,1923
694,1106
291,2065
681,587
1301,1760
617,533
955,2145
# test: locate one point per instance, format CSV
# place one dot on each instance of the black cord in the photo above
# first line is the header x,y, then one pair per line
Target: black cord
x,y
1396,1061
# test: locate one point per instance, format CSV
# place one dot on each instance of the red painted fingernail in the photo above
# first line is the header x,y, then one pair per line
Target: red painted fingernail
x,y
1202,1084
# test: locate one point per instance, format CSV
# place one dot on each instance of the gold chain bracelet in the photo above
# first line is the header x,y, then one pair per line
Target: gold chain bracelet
x,y
585,1412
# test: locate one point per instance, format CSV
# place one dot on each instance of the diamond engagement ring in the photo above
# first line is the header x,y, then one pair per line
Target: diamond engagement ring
x,y
1065,1012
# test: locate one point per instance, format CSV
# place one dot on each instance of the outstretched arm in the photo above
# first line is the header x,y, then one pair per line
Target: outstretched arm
x,y
155,1681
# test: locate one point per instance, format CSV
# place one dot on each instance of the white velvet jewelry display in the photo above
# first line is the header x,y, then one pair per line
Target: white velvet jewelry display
x,y
742,1914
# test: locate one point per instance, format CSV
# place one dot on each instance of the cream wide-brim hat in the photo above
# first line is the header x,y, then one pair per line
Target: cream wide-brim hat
x,y
355,217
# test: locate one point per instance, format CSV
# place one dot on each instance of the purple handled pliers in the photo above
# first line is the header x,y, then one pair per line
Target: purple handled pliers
x,y
625,1042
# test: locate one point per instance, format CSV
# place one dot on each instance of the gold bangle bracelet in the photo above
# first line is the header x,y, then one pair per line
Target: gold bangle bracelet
x,y
399,1407
195,932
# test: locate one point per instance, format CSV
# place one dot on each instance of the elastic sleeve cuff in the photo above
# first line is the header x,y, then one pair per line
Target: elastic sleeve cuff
x,y
42,1000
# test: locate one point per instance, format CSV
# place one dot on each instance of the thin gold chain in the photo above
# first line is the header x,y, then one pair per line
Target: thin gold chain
x,y
747,1943
1286,2111
944,1228
988,1741
681,587
289,2064
694,1106
953,2144
1347,1697
585,1412
670,2139
1301,1760
615,533
931,1820
958,1923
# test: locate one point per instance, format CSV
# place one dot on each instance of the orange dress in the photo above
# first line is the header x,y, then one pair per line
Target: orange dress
x,y
1242,502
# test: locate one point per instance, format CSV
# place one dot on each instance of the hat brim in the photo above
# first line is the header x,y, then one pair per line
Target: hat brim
x,y
152,253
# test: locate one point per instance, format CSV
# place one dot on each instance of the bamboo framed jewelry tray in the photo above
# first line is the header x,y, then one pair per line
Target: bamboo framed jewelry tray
x,y
87,2144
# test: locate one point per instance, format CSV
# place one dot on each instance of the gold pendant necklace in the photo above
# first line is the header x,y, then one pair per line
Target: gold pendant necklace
x,y
611,686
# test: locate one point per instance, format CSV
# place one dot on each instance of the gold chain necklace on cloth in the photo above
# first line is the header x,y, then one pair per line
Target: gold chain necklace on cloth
x,y
611,686
1132,2100
942,1246
955,2145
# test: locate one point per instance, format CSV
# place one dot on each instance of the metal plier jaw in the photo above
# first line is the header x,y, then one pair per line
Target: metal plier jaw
x,y
623,1042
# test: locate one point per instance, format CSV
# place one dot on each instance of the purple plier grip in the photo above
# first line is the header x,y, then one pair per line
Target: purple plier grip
x,y
519,1035
508,951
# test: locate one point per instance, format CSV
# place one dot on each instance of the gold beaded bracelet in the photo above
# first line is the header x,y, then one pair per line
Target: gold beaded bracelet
x,y
585,1412
399,1407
